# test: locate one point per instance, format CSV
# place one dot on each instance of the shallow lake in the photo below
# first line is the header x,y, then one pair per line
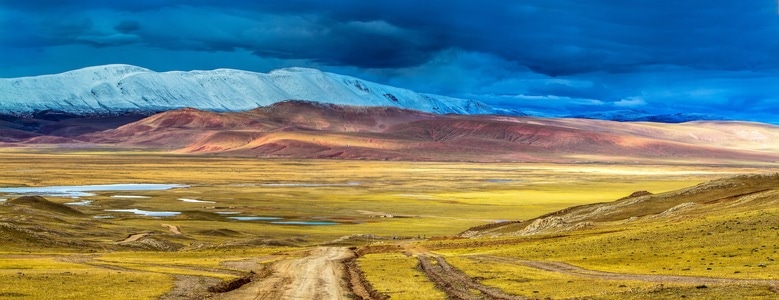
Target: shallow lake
x,y
255,218
499,180
194,200
147,213
75,191
305,223
311,184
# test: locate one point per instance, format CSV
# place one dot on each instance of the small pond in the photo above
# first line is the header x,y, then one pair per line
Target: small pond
x,y
310,184
194,200
255,218
147,213
75,191
305,223
80,203
499,180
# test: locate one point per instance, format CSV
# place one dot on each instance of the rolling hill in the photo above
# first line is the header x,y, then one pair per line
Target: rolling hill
x,y
728,196
304,129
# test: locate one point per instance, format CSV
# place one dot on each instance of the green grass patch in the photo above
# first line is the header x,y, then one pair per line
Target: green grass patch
x,y
396,275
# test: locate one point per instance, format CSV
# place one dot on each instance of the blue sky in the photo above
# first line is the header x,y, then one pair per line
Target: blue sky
x,y
551,56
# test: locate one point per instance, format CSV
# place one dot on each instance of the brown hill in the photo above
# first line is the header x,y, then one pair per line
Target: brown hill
x,y
51,125
300,129
723,196
40,203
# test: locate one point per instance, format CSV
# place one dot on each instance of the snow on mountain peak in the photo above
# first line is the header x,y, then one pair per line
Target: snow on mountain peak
x,y
294,70
106,71
118,88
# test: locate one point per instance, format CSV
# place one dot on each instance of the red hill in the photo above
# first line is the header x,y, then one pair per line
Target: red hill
x,y
300,129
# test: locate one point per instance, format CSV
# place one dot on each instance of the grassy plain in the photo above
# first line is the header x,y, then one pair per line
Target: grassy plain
x,y
425,199
724,247
396,275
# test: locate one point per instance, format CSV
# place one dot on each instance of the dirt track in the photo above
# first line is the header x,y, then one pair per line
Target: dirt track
x,y
564,268
315,276
456,284
174,229
134,237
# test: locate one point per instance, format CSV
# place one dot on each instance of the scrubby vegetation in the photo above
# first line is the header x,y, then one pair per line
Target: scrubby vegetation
x,y
725,230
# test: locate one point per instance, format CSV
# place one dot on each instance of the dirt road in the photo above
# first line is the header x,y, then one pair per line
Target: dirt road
x,y
564,268
174,229
315,276
456,284
134,237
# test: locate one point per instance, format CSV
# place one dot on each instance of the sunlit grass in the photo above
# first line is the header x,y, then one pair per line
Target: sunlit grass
x,y
204,259
426,200
724,239
441,198
740,245
396,275
520,280
45,278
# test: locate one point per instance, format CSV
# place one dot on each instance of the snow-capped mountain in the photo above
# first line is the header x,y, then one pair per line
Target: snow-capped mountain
x,y
122,88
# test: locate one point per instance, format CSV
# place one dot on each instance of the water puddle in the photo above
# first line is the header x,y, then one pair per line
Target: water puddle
x,y
194,200
80,203
3,200
76,191
305,223
102,217
499,180
310,184
147,213
255,218
418,196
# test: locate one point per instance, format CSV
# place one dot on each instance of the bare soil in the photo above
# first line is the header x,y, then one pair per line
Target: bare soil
x,y
456,284
190,287
319,275
134,237
358,285
174,229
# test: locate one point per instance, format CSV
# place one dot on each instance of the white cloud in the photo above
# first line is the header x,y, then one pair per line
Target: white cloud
x,y
630,102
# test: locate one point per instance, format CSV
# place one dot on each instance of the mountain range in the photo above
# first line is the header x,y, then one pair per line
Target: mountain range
x,y
238,113
118,89
305,129
121,89
644,116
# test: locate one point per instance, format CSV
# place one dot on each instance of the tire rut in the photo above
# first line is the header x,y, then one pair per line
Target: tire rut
x,y
359,286
319,275
456,284
564,268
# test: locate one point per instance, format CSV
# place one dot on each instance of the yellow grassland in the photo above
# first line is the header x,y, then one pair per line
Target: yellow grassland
x,y
425,199
396,275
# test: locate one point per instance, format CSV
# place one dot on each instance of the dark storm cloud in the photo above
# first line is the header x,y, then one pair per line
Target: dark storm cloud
x,y
715,55
127,26
561,37
552,37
